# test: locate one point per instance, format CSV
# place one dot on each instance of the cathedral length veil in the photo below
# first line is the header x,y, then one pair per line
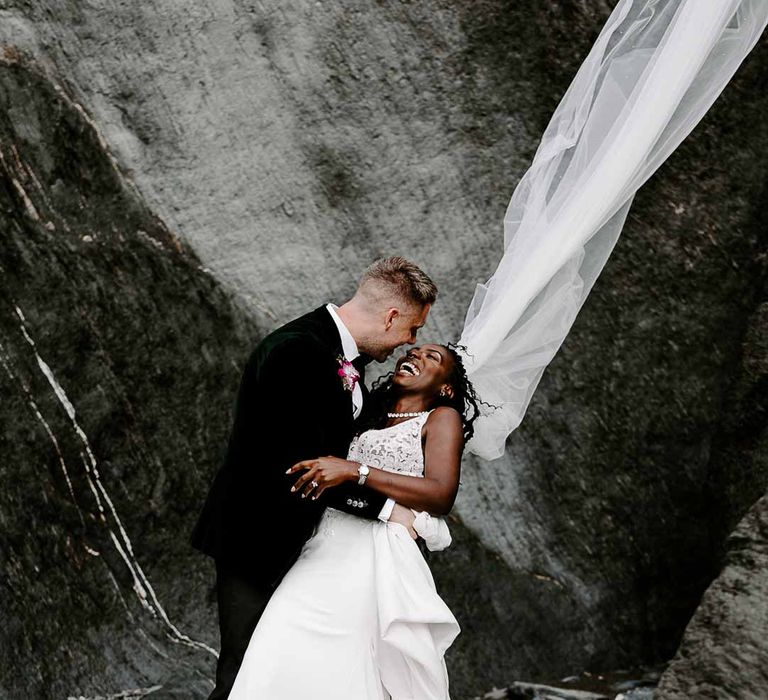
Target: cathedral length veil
x,y
654,71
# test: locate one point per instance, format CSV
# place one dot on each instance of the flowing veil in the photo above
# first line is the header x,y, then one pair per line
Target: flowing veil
x,y
654,71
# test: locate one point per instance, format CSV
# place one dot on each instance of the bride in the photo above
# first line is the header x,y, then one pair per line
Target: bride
x,y
357,617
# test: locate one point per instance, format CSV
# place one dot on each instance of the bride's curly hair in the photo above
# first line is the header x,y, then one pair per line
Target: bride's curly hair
x,y
464,398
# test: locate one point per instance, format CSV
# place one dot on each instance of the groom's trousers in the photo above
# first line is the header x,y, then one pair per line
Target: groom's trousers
x,y
240,606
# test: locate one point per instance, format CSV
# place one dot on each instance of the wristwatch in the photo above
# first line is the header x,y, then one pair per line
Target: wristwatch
x,y
362,474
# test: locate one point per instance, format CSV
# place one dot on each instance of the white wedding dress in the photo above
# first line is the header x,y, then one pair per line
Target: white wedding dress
x,y
357,617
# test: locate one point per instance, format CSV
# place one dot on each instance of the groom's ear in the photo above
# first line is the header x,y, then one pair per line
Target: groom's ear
x,y
392,314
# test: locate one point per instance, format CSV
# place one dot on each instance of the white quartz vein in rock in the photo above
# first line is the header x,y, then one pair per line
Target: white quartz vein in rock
x,y
141,585
124,695
5,361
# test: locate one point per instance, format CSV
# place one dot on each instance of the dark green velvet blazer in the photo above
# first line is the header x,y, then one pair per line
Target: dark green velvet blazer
x,y
291,406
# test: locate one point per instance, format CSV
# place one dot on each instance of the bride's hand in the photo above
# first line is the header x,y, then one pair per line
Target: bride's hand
x,y
405,517
322,473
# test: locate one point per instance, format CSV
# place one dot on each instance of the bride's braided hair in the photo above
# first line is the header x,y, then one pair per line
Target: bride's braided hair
x,y
464,398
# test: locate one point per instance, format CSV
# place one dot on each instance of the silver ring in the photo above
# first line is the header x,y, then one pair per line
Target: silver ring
x,y
314,484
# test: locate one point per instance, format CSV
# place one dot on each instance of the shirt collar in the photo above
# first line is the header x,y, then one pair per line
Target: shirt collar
x,y
348,344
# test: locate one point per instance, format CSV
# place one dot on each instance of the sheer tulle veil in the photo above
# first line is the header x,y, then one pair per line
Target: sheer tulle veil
x,y
654,71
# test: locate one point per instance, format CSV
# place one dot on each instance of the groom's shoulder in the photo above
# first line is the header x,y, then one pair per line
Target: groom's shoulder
x,y
310,329
305,334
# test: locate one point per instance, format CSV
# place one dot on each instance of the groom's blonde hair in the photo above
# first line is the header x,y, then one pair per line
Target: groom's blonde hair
x,y
400,278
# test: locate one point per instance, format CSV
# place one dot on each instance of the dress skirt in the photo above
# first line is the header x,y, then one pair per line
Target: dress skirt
x,y
357,617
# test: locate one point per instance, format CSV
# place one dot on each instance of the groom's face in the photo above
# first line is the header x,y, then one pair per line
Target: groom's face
x,y
399,328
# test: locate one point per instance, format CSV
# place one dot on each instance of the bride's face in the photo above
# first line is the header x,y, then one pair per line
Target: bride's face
x,y
425,370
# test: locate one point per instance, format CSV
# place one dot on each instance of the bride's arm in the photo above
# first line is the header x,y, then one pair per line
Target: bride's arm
x,y
435,493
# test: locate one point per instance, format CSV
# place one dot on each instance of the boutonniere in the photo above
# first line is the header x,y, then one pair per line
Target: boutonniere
x,y
349,375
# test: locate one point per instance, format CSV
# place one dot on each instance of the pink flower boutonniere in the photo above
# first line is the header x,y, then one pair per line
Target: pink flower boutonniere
x,y
349,375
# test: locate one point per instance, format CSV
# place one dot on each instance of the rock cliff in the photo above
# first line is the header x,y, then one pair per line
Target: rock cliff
x,y
179,178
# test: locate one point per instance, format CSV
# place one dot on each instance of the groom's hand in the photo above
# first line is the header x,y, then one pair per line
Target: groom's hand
x,y
405,517
322,473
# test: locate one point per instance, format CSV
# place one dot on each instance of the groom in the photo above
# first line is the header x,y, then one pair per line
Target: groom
x,y
298,399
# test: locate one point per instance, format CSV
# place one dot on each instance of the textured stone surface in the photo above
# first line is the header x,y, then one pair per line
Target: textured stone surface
x,y
287,146
119,359
725,647
724,651
118,356
632,684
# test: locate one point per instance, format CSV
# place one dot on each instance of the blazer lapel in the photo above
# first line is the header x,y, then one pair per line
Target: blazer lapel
x,y
325,330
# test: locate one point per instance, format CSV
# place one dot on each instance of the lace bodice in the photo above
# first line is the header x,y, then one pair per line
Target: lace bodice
x,y
394,449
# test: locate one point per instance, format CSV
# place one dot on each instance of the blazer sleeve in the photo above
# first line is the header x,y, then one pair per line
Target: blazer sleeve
x,y
294,378
358,500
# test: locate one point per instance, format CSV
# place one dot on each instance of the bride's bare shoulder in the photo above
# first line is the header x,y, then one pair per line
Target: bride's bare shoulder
x,y
444,418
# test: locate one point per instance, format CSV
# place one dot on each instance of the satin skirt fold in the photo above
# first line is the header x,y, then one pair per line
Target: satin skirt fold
x,y
356,618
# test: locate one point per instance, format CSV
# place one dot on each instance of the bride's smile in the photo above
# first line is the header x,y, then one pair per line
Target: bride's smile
x,y
423,370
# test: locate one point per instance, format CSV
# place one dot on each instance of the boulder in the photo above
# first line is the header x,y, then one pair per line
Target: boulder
x,y
724,652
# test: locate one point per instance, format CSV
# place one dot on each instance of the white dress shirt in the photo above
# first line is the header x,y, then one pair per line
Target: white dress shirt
x,y
349,348
351,352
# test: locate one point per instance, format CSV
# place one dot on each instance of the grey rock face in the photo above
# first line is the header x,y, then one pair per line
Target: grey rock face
x,y
288,146
724,652
118,357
